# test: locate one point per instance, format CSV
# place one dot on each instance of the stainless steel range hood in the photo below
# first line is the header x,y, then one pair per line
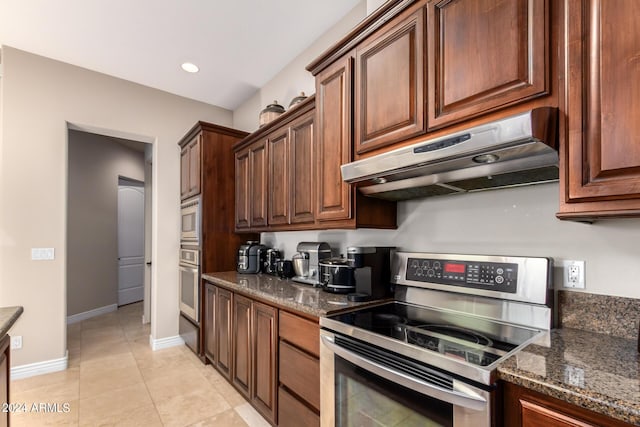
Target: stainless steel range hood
x,y
517,150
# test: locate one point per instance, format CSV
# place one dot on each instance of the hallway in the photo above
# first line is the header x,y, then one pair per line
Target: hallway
x,y
115,379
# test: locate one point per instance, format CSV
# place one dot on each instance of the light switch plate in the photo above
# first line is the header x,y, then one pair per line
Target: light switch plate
x,y
42,254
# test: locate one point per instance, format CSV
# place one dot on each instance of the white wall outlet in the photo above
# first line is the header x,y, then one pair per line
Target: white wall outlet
x,y
574,376
42,254
16,342
573,274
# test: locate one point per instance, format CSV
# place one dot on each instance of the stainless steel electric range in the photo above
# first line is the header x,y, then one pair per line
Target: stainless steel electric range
x,y
430,357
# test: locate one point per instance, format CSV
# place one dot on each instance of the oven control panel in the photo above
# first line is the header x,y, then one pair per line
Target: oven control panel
x,y
500,277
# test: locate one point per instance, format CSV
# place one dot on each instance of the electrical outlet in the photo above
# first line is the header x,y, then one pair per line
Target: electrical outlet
x,y
574,376
573,274
16,342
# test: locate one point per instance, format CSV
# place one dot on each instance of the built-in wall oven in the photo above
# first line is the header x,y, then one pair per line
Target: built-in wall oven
x,y
189,291
190,222
430,357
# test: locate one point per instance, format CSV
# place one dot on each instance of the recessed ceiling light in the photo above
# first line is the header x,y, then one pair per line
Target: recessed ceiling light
x,y
190,68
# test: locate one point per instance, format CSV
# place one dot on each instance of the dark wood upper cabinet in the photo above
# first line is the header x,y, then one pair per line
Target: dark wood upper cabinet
x,y
484,55
243,189
258,163
333,123
241,327
602,156
389,83
190,168
302,186
278,178
264,389
251,186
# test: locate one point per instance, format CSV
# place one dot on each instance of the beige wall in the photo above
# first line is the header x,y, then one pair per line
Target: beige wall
x,y
517,221
39,98
294,78
95,163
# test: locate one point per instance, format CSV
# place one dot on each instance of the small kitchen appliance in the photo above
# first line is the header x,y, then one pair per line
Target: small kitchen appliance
x,y
431,355
314,252
337,275
251,257
372,273
271,261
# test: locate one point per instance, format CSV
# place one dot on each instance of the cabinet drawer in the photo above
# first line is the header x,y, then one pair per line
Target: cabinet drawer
x,y
300,332
300,373
293,413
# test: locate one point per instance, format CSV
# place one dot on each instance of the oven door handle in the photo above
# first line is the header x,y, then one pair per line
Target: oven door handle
x,y
458,397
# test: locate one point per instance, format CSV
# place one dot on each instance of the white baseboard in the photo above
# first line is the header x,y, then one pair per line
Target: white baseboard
x,y
160,343
39,368
75,318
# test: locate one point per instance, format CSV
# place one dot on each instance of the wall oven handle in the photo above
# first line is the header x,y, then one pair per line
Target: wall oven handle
x,y
466,399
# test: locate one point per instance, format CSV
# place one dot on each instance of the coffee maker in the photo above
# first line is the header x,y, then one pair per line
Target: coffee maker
x,y
314,252
251,257
372,272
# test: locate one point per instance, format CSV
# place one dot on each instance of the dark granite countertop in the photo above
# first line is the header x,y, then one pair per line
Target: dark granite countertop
x,y
8,316
284,293
596,371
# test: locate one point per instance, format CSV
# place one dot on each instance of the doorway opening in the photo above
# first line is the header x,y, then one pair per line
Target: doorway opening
x,y
108,223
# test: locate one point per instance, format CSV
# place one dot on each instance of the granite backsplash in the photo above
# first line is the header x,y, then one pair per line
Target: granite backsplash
x,y
605,314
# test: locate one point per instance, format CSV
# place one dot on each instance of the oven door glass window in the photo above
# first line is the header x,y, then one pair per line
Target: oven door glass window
x,y
365,399
188,292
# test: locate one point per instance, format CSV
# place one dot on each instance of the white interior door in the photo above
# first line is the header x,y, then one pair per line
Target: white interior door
x,y
130,243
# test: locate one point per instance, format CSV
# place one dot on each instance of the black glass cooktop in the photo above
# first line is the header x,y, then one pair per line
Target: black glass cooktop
x,y
476,340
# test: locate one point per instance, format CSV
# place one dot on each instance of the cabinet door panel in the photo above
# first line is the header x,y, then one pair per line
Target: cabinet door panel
x,y
484,54
223,332
184,173
293,413
194,167
300,373
258,182
242,344
604,100
333,106
265,356
279,178
389,85
302,185
210,324
243,189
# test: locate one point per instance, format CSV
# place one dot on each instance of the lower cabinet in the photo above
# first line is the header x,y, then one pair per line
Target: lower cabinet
x,y
223,332
4,378
299,373
241,327
210,323
244,343
527,408
264,386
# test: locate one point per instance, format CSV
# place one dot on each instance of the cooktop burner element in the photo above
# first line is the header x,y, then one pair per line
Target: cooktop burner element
x,y
458,333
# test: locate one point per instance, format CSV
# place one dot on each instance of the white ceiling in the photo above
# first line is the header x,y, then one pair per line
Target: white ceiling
x,y
239,45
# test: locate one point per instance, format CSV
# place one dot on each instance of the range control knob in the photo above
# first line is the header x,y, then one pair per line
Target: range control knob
x,y
430,273
499,280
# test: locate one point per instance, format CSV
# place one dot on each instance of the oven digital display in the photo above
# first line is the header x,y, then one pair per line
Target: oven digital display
x,y
454,268
490,276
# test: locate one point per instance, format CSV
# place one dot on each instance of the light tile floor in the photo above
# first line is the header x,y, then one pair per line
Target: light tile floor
x,y
115,379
